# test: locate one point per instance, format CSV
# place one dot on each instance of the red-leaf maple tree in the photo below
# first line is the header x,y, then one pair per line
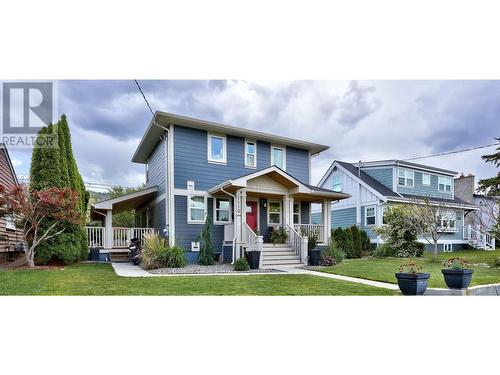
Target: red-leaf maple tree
x,y
39,214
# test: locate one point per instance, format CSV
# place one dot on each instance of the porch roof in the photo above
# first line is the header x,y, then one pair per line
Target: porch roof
x,y
294,186
124,203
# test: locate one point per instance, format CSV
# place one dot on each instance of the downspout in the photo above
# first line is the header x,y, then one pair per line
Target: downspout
x,y
234,226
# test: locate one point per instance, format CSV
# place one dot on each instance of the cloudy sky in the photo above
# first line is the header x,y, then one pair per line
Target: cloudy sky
x,y
359,120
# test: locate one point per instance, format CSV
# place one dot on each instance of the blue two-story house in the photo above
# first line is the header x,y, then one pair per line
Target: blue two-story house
x,y
245,181
376,185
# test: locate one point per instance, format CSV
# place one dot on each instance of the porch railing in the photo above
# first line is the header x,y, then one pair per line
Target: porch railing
x,y
298,243
478,238
95,236
120,237
253,242
309,229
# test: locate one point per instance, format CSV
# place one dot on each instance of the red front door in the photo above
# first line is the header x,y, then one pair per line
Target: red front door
x,y
252,215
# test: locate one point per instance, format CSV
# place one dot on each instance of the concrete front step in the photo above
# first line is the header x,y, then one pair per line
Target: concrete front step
x,y
266,262
280,257
269,249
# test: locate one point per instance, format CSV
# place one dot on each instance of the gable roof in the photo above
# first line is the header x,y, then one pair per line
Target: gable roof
x,y
164,119
282,177
404,163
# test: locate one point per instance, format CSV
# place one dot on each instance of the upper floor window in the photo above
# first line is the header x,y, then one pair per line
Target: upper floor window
x,y
10,222
370,215
444,184
197,207
405,177
337,183
217,148
296,213
222,210
250,154
426,179
278,157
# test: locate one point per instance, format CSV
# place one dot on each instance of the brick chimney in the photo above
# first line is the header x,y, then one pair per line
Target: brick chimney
x,y
464,187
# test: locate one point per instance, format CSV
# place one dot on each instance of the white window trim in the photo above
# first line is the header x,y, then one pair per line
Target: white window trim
x,y
10,222
299,213
374,215
284,155
447,215
441,178
333,183
189,209
426,174
215,221
407,171
224,148
269,224
383,209
246,153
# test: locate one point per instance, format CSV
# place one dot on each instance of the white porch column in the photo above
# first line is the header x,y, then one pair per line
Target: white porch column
x,y
290,210
327,219
286,210
240,220
108,230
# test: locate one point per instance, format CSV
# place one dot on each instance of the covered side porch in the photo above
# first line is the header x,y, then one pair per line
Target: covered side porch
x,y
270,199
109,237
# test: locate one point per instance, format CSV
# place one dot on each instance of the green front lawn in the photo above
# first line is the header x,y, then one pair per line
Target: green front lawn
x,y
383,269
100,279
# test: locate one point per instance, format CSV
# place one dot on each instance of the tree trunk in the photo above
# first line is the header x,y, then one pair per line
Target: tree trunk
x,y
30,256
435,252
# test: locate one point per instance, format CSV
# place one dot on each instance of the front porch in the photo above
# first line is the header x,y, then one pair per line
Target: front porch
x,y
271,198
117,239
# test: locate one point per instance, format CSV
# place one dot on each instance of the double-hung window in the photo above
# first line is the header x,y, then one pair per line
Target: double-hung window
x,y
369,215
337,183
197,208
426,179
250,154
217,148
405,177
296,213
447,220
274,213
278,157
222,210
444,184
10,222
384,214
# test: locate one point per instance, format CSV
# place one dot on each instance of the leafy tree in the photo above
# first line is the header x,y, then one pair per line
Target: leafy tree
x,y
491,186
365,242
40,214
400,231
343,241
206,255
124,219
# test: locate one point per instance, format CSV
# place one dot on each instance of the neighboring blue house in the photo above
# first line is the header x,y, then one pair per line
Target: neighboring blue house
x,y
246,181
376,185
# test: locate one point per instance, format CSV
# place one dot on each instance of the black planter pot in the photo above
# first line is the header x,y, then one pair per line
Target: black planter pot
x,y
457,279
253,258
314,256
412,284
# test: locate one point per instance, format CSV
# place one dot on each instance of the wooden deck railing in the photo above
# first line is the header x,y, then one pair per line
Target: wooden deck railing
x,y
120,237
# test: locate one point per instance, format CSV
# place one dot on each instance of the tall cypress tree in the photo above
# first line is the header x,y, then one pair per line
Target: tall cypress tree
x,y
56,167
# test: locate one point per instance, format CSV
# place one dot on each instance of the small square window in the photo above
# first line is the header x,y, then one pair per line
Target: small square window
x,y
197,209
217,148
222,210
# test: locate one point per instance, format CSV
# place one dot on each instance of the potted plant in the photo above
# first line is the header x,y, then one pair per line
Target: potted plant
x,y
278,235
314,254
411,281
457,275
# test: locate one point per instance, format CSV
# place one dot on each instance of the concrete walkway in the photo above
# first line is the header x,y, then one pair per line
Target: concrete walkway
x,y
129,270
302,271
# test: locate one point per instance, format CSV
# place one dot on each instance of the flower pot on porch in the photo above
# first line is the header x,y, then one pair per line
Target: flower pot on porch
x,y
457,279
412,284
253,258
313,257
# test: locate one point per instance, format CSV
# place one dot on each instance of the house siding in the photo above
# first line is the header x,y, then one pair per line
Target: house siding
x,y
190,160
382,175
187,233
305,209
157,216
343,218
423,190
156,168
297,163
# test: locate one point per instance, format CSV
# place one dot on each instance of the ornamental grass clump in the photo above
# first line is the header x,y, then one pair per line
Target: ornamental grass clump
x,y
156,253
457,264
